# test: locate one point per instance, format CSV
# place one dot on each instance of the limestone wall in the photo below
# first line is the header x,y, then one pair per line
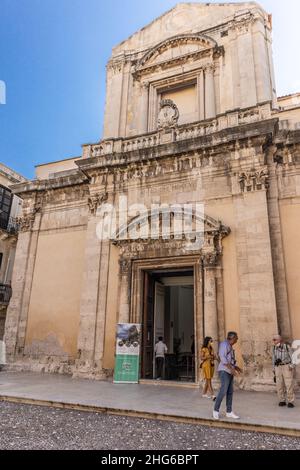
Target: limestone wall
x,y
53,315
290,222
141,70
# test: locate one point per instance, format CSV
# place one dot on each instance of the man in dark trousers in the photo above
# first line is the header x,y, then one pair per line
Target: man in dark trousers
x,y
160,351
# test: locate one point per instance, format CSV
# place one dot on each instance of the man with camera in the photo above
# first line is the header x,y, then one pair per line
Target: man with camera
x,y
283,372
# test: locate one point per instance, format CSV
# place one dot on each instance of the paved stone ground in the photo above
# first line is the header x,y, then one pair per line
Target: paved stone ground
x,y
36,427
153,398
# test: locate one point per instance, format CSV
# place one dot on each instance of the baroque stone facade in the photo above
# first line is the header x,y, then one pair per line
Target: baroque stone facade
x,y
191,117
10,208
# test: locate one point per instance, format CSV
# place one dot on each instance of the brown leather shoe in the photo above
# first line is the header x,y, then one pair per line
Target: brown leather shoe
x,y
291,405
282,403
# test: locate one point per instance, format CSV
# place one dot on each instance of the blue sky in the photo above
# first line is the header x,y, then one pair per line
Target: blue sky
x,y
52,59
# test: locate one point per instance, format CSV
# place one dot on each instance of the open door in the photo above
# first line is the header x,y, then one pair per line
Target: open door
x,y
159,315
148,327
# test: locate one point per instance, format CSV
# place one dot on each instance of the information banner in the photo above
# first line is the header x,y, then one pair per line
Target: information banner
x,y
127,353
2,353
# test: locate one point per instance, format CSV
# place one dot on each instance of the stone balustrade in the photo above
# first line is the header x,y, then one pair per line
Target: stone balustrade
x,y
176,134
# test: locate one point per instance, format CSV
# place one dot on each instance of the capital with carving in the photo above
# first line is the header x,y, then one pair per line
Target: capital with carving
x,y
145,86
254,180
210,258
95,201
210,68
125,266
25,223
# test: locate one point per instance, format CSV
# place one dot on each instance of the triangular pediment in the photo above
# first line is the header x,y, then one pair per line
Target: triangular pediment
x,y
184,18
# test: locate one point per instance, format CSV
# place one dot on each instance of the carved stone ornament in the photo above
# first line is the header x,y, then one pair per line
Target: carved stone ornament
x,y
210,258
168,115
125,265
254,180
25,223
95,200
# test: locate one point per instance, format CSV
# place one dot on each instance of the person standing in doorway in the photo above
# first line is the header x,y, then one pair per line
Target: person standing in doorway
x,y
208,367
160,351
284,371
227,371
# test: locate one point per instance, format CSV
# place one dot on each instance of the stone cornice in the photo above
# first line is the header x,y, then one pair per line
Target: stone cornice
x,y
287,137
50,184
215,53
11,175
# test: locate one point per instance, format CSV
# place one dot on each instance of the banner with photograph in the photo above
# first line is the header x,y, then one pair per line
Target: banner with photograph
x,y
127,353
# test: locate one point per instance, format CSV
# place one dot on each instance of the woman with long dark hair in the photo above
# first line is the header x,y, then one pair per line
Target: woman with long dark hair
x,y
208,367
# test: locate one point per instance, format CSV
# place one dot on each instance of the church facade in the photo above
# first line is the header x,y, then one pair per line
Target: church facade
x,y
194,136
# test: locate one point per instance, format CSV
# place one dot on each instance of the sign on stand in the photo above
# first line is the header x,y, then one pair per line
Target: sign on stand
x,y
127,353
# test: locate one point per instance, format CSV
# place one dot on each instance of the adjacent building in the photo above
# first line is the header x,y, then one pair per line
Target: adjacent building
x,y
10,210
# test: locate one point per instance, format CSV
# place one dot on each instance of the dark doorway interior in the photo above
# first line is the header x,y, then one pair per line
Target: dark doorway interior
x,y
168,311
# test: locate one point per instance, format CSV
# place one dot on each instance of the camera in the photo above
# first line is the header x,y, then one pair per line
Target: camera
x,y
278,362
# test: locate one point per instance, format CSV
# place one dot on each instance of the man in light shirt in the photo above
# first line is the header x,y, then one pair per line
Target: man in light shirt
x,y
227,370
283,368
160,351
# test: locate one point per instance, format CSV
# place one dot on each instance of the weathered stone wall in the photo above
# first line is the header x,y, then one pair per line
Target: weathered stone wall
x,y
2,321
238,160
232,67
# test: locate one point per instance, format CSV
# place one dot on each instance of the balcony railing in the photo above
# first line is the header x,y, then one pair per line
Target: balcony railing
x,y
112,150
10,226
5,293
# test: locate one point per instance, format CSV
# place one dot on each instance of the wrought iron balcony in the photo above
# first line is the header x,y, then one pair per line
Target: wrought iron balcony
x,y
5,293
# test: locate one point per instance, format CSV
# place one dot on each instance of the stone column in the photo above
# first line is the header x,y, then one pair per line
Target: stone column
x,y
201,101
124,290
199,315
210,296
256,290
102,303
144,108
284,322
93,298
210,99
17,312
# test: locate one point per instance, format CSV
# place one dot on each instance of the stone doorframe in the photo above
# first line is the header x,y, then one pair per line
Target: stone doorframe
x,y
136,304
137,256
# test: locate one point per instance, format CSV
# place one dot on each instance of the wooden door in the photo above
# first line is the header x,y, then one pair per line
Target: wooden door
x,y
148,327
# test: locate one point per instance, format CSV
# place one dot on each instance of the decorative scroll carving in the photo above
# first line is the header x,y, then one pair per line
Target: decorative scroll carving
x,y
168,115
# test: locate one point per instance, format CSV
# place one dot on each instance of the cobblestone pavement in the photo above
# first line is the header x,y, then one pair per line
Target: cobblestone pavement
x,y
36,427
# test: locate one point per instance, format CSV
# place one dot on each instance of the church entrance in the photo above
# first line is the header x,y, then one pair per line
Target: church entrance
x,y
168,313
